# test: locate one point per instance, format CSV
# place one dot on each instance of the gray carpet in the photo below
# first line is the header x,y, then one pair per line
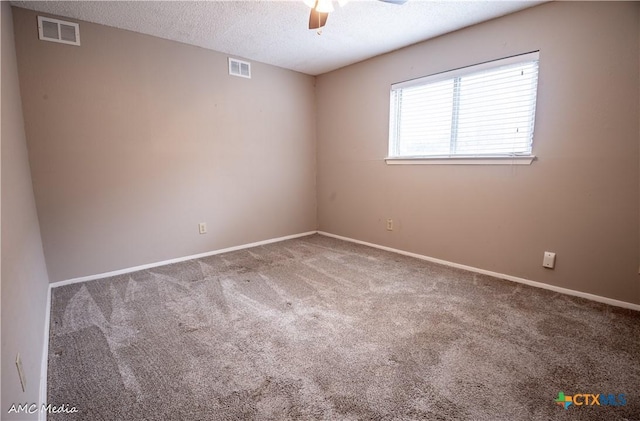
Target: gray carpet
x,y
320,329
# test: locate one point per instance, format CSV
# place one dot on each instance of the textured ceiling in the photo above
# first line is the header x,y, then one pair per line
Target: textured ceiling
x,y
275,32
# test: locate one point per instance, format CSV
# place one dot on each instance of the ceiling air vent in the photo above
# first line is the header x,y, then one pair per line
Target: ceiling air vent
x,y
55,30
239,68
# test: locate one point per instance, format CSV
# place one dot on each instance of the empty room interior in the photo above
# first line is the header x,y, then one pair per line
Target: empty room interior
x,y
317,210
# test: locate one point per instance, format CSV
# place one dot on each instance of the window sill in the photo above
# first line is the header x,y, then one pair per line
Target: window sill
x,y
461,160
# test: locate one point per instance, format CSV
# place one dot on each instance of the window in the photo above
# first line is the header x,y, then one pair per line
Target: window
x,y
483,111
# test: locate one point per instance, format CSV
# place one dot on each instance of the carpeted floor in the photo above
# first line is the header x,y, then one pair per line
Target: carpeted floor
x,y
320,329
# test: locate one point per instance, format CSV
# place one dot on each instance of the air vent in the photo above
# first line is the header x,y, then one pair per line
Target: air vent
x,y
239,68
56,30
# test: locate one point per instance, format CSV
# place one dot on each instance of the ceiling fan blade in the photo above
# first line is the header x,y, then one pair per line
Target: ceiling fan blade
x,y
317,19
394,1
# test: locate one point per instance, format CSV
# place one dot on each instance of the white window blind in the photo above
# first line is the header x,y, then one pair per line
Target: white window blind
x,y
486,110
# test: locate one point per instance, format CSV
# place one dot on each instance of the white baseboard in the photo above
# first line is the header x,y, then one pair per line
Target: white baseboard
x,y
536,284
42,398
176,260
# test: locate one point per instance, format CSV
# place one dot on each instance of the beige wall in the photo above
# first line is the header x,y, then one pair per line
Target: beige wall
x,y
24,275
579,199
134,140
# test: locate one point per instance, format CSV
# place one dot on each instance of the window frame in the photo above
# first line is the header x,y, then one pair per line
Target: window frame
x,y
483,159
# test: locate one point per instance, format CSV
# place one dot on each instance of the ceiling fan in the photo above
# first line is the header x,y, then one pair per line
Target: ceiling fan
x,y
320,10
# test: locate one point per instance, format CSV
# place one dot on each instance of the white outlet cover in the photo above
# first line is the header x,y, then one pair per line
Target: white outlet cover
x,y
549,260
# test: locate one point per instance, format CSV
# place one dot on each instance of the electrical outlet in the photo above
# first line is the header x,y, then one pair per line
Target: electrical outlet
x,y
202,227
389,224
549,260
23,380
